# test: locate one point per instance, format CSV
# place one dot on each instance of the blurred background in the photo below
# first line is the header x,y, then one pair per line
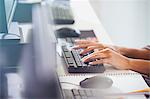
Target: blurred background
x,y
126,21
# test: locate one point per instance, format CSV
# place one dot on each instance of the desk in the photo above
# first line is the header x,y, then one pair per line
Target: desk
x,y
85,19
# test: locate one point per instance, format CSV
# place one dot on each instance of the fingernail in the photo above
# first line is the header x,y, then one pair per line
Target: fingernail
x,y
90,63
76,40
81,53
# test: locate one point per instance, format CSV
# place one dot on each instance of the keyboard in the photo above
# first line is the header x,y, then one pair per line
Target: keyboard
x,y
62,15
88,94
74,62
80,94
98,94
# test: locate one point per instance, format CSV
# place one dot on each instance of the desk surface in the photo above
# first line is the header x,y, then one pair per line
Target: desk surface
x,y
85,19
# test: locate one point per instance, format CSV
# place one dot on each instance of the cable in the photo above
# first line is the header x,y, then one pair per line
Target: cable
x,y
70,83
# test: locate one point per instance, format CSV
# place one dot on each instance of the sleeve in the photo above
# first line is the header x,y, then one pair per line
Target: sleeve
x,y
147,47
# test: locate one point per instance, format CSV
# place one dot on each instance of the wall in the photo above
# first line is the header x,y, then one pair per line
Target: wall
x,y
126,21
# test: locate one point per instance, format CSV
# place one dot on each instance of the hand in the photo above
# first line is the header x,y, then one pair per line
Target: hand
x,y
108,56
88,45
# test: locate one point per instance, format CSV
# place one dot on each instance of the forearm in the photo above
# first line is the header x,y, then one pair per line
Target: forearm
x,y
142,66
134,53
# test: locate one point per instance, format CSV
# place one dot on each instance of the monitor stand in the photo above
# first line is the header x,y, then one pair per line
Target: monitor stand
x,y
13,35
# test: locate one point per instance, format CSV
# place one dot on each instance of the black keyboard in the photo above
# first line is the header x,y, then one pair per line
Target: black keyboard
x,y
97,94
62,15
75,64
80,94
87,94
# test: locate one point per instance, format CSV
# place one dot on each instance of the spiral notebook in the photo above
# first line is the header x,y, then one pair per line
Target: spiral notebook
x,y
123,80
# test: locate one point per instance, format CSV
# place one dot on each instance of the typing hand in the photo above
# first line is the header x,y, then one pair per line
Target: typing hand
x,y
108,56
91,45
88,46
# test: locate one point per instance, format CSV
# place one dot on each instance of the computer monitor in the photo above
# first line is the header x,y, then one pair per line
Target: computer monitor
x,y
8,29
10,6
38,61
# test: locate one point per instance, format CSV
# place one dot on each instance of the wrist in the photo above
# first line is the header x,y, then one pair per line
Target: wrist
x,y
128,65
121,50
117,49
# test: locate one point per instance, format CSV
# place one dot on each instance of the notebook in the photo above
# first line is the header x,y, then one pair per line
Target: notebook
x,y
123,80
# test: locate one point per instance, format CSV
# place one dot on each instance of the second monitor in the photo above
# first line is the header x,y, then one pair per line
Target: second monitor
x,y
9,31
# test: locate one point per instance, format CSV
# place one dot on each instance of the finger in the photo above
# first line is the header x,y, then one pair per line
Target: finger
x,y
94,56
81,46
82,41
92,39
78,46
100,53
88,49
106,50
101,61
96,62
89,58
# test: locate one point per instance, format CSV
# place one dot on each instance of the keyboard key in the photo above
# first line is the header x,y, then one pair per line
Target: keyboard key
x,y
76,57
82,93
68,94
73,40
84,97
70,60
75,92
68,55
69,40
96,92
89,93
72,65
78,97
64,48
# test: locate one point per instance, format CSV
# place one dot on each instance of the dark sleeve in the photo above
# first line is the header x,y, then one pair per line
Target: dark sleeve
x,y
147,47
147,79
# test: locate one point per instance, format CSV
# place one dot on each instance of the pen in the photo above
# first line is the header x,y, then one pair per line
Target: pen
x,y
146,91
142,90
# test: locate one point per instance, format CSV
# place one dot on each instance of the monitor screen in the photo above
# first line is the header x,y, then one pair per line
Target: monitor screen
x,y
7,9
10,6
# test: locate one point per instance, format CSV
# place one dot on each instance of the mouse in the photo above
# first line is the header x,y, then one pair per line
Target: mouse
x,y
67,32
96,82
